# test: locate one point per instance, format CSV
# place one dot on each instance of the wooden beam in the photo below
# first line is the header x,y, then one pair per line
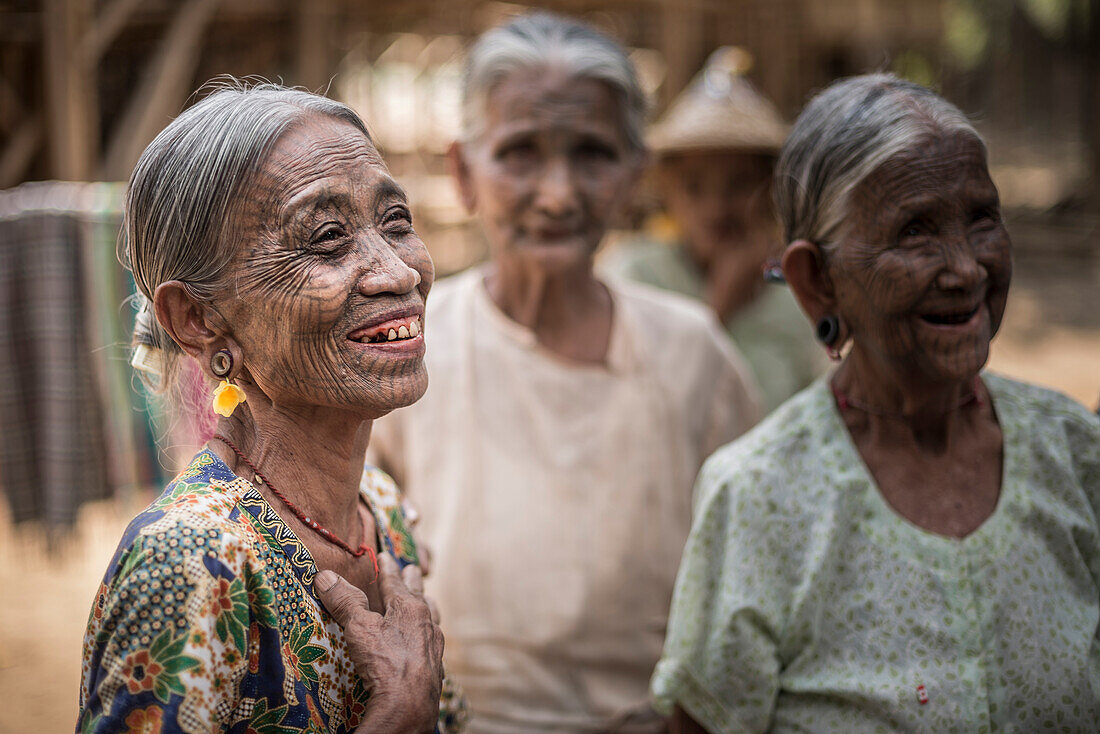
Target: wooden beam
x,y
316,23
162,91
72,113
19,152
105,28
11,109
681,42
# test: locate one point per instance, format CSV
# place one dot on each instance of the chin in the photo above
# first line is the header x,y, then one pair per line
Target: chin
x,y
558,257
399,392
407,390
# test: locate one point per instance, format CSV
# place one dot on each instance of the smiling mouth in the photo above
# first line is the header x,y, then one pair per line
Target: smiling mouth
x,y
951,318
392,331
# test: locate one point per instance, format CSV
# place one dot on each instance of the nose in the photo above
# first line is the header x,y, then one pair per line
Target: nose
x,y
556,195
961,269
385,272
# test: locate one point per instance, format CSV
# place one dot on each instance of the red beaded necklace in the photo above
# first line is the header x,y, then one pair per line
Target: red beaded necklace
x,y
308,521
844,402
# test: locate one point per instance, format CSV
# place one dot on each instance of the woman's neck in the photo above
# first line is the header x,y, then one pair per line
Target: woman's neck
x,y
307,456
901,408
569,311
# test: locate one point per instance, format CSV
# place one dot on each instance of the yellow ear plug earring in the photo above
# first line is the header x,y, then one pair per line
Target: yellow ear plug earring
x,y
227,396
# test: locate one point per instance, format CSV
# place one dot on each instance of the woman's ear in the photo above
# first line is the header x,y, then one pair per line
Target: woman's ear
x,y
460,173
804,271
184,318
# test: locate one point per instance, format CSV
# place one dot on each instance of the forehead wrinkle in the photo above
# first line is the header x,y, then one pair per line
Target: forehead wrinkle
x,y
333,187
578,105
915,183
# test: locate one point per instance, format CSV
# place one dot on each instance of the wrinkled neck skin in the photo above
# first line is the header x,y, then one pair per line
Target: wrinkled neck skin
x,y
914,410
567,309
306,453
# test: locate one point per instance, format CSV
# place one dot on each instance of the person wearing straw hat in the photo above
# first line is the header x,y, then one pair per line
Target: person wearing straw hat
x,y
715,149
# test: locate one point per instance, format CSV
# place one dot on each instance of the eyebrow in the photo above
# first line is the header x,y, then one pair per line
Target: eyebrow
x,y
388,189
319,195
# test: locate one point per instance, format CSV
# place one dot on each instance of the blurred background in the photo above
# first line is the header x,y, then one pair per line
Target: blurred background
x,y
86,84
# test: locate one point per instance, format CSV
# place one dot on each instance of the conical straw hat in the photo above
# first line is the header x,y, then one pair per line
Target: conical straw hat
x,y
720,110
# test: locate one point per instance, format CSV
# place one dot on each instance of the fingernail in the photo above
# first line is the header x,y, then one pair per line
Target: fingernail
x,y
325,581
385,559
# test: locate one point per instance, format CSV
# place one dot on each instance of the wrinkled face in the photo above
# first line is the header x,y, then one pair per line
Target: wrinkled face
x,y
328,298
922,273
719,199
551,169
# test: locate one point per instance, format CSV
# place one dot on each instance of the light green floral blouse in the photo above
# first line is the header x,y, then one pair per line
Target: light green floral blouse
x,y
805,603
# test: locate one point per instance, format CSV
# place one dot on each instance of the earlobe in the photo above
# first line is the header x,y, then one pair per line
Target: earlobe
x,y
805,272
460,174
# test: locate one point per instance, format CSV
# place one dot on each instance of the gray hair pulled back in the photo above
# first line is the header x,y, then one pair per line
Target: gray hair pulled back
x,y
844,134
545,40
184,188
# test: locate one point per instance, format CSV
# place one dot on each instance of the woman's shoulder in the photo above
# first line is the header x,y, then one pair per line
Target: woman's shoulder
x,y
1053,437
778,454
659,306
198,512
1038,401
672,330
1051,423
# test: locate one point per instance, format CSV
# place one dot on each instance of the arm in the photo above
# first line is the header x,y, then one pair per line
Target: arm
x,y
721,660
157,638
398,653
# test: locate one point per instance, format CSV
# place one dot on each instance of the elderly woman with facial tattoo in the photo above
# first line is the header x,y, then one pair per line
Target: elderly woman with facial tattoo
x,y
271,246
910,544
554,454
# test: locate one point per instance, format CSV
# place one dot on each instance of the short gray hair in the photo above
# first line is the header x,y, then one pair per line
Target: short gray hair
x,y
844,134
540,39
184,189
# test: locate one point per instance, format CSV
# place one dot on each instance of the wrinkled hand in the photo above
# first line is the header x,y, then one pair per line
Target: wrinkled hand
x,y
398,654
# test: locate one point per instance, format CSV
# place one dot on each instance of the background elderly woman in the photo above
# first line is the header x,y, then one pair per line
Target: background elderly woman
x,y
276,251
716,147
910,545
554,453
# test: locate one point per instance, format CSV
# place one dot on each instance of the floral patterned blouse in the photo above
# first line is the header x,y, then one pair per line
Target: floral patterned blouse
x,y
206,620
806,603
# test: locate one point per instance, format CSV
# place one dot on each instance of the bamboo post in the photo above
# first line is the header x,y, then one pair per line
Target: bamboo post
x,y
72,115
163,88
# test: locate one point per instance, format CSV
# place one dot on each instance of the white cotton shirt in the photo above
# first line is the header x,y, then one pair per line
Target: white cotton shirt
x,y
556,497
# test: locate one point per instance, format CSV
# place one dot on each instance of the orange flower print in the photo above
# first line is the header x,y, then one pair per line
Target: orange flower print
x,y
315,720
140,671
290,660
144,721
222,601
355,714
